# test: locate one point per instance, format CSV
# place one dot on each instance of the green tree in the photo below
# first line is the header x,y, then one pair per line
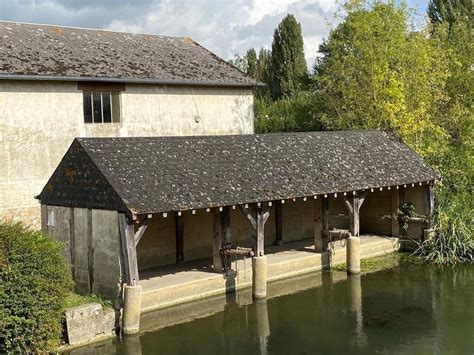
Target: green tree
x,y
251,58
450,11
288,65
374,72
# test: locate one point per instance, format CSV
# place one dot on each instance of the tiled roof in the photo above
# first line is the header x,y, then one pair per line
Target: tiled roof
x,y
46,52
160,174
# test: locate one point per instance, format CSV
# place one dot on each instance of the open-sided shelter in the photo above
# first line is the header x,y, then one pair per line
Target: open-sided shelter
x,y
127,205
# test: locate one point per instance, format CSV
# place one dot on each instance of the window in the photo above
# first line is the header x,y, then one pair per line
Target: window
x,y
101,107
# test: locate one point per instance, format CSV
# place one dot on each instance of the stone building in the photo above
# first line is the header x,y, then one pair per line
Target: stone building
x,y
59,83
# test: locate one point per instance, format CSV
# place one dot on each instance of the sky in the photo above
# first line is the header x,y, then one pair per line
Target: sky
x,y
226,27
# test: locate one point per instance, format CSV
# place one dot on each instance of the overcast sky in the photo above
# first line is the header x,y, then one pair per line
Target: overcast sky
x,y
225,27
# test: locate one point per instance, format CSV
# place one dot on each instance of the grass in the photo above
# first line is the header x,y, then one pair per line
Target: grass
x,y
74,300
380,262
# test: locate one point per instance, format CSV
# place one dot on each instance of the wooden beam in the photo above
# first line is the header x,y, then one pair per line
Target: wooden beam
x,y
249,213
258,225
218,241
325,223
141,230
225,224
394,205
429,204
362,196
353,204
129,251
401,201
278,223
179,229
318,226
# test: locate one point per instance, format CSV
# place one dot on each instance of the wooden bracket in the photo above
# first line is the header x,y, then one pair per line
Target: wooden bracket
x,y
141,230
257,217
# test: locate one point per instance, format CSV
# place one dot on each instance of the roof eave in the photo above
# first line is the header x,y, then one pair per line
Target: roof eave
x,y
4,76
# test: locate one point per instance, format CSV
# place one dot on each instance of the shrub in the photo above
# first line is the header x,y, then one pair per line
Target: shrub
x,y
34,279
293,114
453,240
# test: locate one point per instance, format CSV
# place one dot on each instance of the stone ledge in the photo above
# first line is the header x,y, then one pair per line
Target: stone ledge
x,y
89,322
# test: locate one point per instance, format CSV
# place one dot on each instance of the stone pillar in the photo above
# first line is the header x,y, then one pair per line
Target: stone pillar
x,y
259,276
132,299
353,255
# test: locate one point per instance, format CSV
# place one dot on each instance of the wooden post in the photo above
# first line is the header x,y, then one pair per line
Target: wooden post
x,y
260,242
129,251
395,203
318,226
257,216
325,222
278,223
179,227
353,205
355,224
401,201
218,241
429,203
225,224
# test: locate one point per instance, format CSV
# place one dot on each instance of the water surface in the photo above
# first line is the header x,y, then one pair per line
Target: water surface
x,y
410,309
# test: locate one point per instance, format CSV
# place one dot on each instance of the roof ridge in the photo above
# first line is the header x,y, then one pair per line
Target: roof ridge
x,y
93,29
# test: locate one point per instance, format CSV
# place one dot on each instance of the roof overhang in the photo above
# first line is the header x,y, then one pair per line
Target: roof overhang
x,y
4,76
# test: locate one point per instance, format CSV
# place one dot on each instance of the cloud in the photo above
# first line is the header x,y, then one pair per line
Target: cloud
x,y
224,27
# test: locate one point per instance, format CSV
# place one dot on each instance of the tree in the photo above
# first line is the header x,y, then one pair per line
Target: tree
x,y
374,72
450,11
288,64
251,57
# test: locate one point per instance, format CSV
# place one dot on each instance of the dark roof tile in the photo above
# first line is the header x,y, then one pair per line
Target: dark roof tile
x,y
52,52
160,174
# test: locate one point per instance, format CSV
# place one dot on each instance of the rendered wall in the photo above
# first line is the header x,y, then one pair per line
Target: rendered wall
x,y
39,120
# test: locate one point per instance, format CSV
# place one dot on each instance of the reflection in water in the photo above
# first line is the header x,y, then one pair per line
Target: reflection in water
x,y
356,306
133,346
410,309
263,325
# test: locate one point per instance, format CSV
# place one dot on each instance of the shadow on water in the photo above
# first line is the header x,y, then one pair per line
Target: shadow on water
x,y
405,310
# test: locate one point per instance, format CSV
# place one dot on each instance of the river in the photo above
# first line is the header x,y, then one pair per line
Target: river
x,y
408,309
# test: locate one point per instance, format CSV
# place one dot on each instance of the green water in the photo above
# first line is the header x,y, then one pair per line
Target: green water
x,y
410,309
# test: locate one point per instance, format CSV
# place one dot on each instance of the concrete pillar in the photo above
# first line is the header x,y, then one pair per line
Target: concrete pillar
x,y
259,276
132,300
353,255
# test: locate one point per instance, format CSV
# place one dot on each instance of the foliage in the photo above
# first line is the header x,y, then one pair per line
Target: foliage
x,y
288,69
379,263
449,11
376,73
297,113
34,279
73,299
453,240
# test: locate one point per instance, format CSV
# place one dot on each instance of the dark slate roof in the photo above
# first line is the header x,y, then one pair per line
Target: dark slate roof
x,y
45,52
160,174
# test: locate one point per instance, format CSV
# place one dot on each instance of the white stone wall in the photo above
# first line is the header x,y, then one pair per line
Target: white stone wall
x,y
39,120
